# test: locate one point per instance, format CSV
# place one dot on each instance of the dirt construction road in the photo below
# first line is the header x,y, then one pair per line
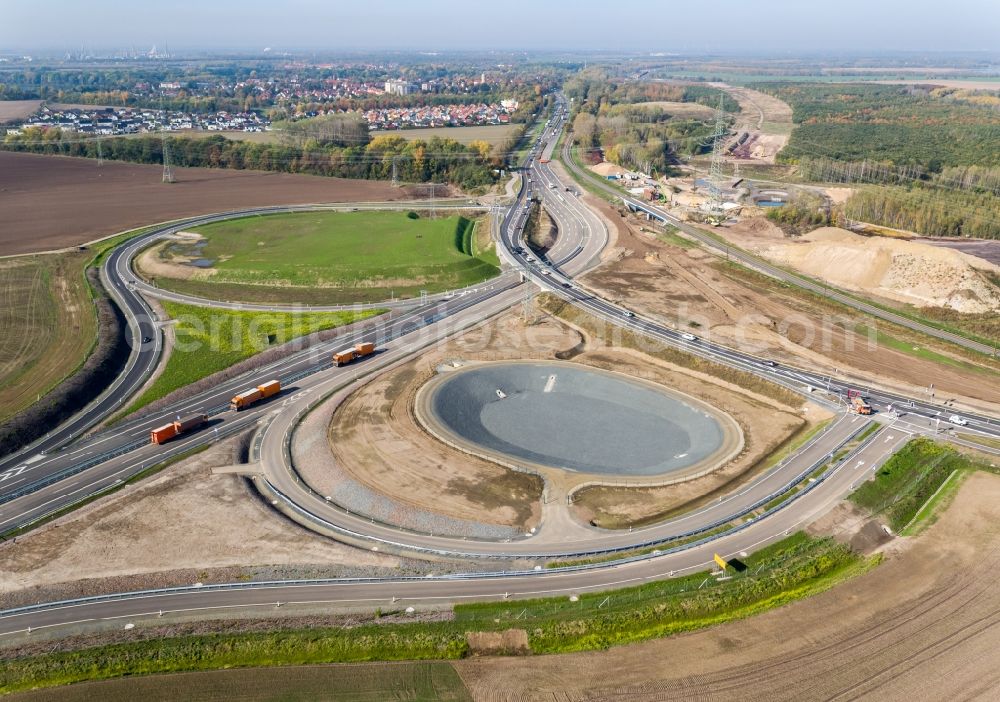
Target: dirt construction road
x,y
925,625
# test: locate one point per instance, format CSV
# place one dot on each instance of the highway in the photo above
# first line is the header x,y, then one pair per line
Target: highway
x,y
129,292
762,265
308,376
581,232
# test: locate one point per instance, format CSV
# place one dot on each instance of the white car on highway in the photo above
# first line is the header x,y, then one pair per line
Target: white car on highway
x,y
688,337
955,419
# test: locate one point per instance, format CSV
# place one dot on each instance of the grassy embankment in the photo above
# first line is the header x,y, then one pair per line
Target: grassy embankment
x,y
210,340
918,478
48,325
326,258
791,569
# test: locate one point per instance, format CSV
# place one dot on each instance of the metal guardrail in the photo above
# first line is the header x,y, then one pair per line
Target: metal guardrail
x,y
320,521
314,582
71,471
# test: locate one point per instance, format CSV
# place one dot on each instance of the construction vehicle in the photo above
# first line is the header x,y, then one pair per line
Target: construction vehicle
x,y
248,397
858,404
180,426
344,357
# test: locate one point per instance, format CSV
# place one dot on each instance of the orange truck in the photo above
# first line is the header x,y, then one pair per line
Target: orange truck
x,y
858,403
248,397
341,358
181,426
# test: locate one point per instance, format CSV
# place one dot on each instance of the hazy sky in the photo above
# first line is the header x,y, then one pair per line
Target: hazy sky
x,y
661,25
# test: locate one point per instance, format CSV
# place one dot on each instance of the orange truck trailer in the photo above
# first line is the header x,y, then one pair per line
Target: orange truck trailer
x,y
181,426
344,357
248,397
858,403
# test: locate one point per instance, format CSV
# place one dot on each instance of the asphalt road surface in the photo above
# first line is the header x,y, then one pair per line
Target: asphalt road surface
x,y
58,479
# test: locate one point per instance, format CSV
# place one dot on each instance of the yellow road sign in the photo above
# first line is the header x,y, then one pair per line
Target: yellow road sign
x,y
721,561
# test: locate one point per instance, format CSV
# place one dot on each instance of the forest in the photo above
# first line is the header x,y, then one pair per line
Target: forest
x,y
610,117
933,149
434,160
930,211
926,128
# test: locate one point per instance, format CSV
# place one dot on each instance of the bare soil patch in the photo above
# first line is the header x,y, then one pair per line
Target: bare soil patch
x,y
51,202
185,525
904,271
375,436
694,289
920,626
17,110
766,120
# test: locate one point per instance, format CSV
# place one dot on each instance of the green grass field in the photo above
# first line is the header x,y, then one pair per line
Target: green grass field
x,y
337,257
210,340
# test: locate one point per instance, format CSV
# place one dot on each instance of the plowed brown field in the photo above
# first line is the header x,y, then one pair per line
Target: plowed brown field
x,y
52,202
922,626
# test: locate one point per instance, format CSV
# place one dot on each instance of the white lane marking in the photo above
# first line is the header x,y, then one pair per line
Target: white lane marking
x,y
550,384
10,473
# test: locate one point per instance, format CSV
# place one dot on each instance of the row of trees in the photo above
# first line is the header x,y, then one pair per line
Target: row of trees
x,y
928,211
611,116
801,215
648,139
433,160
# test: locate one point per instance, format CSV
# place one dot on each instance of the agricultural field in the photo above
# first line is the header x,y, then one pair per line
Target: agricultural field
x,y
493,134
325,258
16,110
206,341
51,202
47,325
362,682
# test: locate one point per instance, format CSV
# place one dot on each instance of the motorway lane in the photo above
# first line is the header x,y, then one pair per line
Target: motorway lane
x,y
212,601
311,509
127,289
450,588
384,331
775,271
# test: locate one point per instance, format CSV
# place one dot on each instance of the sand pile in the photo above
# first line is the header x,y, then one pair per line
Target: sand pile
x,y
905,271
606,168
